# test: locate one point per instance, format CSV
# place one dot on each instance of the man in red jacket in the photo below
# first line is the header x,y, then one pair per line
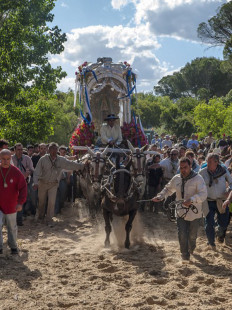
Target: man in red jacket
x,y
13,194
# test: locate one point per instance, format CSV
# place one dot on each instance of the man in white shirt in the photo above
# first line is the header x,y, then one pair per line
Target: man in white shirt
x,y
216,178
170,165
189,187
167,142
111,132
46,177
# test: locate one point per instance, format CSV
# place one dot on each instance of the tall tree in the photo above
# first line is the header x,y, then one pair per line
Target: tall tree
x,y
218,30
211,117
27,79
203,78
25,41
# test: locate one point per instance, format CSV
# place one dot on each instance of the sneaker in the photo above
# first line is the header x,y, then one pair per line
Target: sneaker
x,y
14,251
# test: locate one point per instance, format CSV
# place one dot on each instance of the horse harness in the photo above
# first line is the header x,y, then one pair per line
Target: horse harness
x,y
108,187
97,160
139,170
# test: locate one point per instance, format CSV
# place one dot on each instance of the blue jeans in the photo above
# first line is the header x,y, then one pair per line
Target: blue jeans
x,y
187,234
222,222
10,220
28,206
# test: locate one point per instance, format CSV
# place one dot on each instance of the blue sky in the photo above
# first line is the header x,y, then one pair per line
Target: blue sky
x,y
157,37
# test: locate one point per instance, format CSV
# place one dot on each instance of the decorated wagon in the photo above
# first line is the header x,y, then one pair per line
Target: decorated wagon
x,y
105,88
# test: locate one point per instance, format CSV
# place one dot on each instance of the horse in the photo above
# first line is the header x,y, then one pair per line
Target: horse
x,y
138,165
92,176
120,194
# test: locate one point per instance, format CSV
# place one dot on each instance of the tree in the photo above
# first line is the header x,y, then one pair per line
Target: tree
x,y
41,121
175,118
27,79
203,78
25,42
26,124
178,118
218,30
65,117
149,110
211,117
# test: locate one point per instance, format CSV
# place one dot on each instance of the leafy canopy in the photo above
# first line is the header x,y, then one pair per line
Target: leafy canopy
x,y
203,78
218,30
27,79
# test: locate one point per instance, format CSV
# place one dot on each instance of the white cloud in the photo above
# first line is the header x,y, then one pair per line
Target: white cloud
x,y
135,45
64,5
66,83
118,4
173,18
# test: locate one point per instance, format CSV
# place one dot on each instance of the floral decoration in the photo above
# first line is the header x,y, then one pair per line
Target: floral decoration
x,y
128,74
81,77
83,135
129,132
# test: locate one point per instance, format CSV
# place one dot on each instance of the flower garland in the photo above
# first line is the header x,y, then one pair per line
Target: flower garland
x,y
83,135
130,133
81,77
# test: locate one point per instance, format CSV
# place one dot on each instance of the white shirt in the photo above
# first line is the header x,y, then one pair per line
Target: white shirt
x,y
217,189
169,167
194,189
109,133
166,142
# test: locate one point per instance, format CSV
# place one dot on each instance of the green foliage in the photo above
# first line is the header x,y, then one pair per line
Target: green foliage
x,y
178,117
214,116
218,30
40,121
203,78
27,79
149,110
65,117
174,117
25,42
26,124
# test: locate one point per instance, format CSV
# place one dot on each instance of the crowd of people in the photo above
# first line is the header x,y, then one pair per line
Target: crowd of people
x,y
198,173
36,181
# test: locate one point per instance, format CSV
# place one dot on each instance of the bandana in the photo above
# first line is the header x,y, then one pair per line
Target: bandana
x,y
216,174
184,180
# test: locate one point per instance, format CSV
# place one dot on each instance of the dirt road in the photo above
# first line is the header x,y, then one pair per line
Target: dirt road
x,y
67,267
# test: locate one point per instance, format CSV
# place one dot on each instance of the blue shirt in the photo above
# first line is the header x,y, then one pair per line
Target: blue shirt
x,y
191,142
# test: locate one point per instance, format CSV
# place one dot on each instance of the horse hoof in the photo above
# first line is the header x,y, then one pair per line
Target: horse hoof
x,y
127,245
107,244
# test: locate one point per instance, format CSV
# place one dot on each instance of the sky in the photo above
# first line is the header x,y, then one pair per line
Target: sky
x,y
157,37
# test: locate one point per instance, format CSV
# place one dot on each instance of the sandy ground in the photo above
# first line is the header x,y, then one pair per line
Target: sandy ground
x,y
67,267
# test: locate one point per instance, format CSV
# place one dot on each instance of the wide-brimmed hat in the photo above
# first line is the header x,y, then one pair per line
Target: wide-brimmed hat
x,y
110,116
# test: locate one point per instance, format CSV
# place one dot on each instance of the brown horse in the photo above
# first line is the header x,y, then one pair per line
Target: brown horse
x,y
120,194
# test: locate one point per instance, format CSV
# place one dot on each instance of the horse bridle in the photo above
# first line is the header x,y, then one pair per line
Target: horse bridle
x,y
138,171
97,159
